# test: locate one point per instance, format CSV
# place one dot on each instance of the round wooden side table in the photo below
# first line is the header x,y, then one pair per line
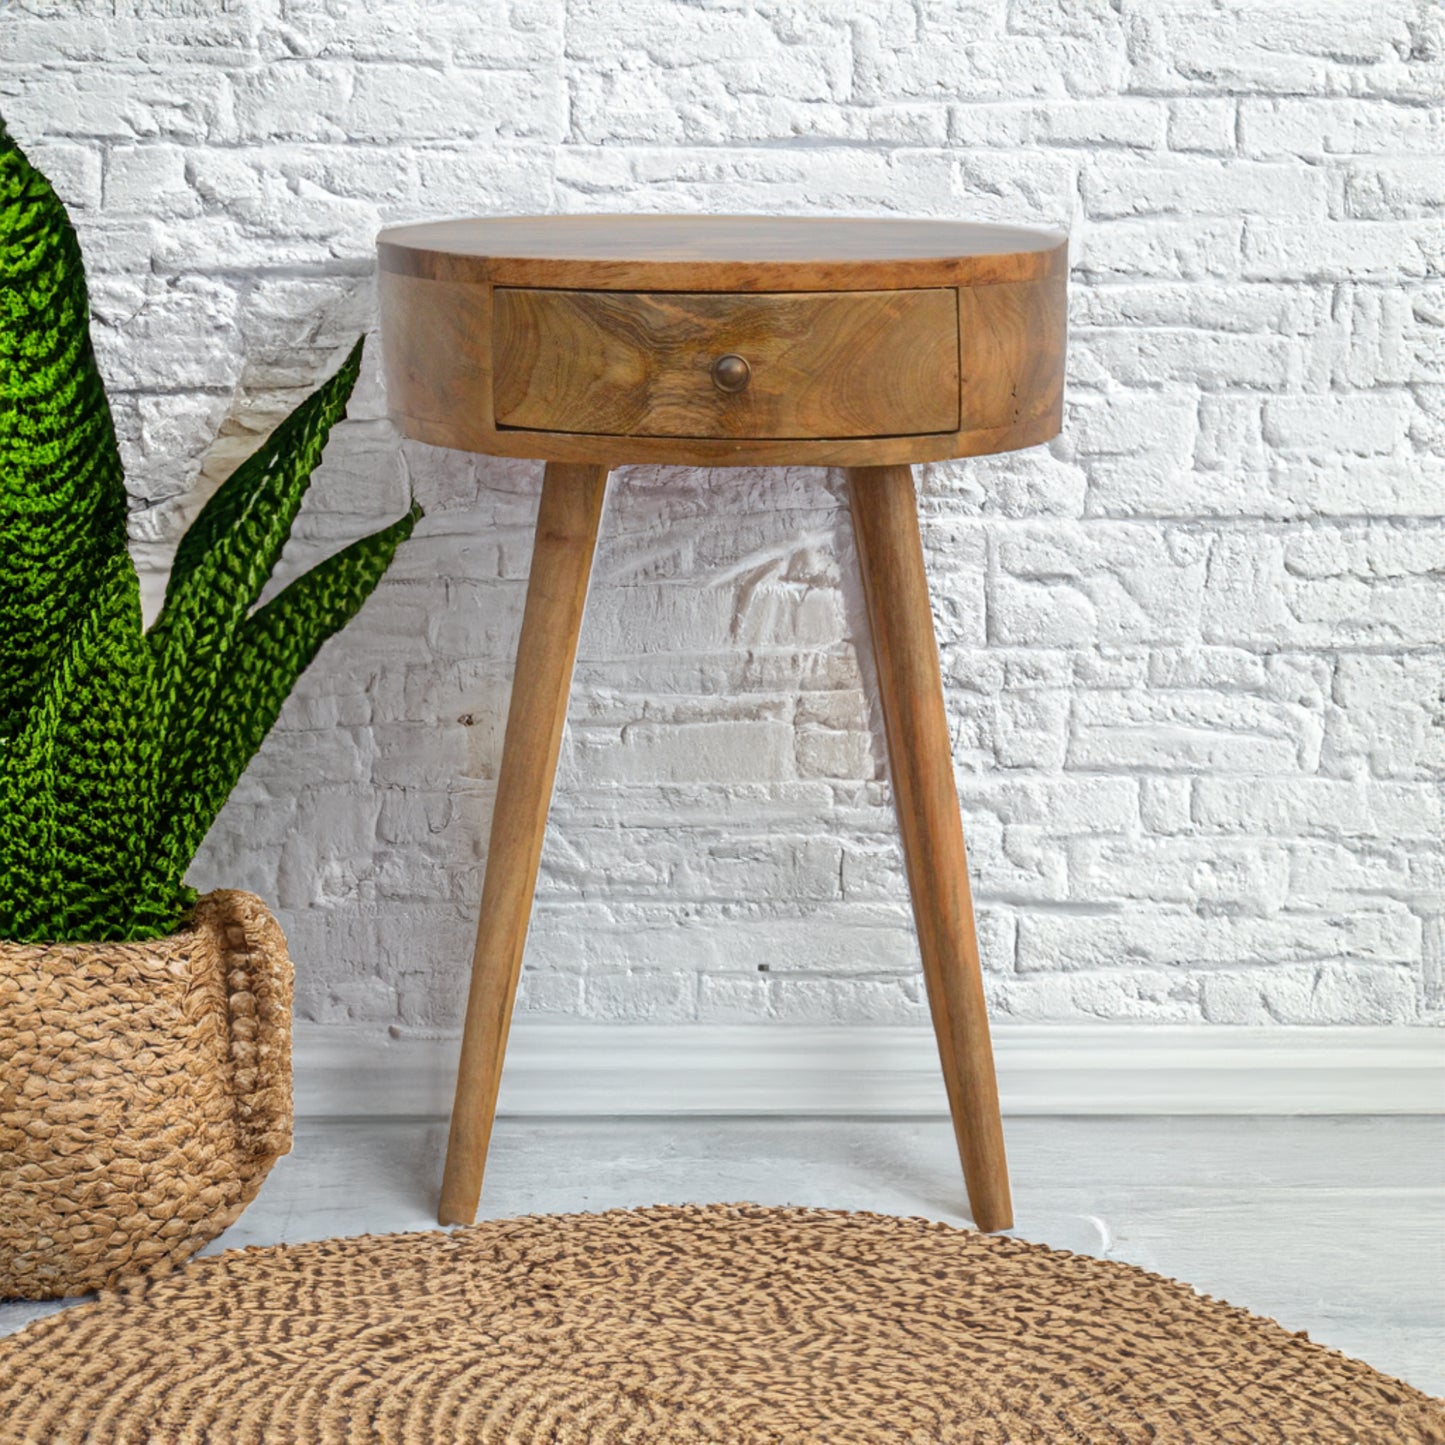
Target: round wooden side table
x,y
594,341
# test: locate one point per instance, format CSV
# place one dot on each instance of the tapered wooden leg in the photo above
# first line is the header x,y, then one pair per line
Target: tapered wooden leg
x,y
556,591
885,523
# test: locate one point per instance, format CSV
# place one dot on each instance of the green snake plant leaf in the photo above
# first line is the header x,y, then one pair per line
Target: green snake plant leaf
x,y
276,644
62,493
78,784
118,747
223,564
230,550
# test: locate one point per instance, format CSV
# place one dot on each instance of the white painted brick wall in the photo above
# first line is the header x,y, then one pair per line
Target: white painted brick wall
x,y
1192,648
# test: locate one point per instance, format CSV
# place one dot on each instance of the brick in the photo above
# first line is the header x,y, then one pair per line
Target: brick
x,y
1114,188
1164,804
1133,123
80,35
549,994
730,998
1110,668
1339,991
1146,995
149,180
1030,730
440,31
1007,67
1205,125
1316,807
1037,190
725,751
847,942
1379,337
1269,49
1203,305
1031,483
803,868
151,335
1342,250
1106,582
1393,189
1190,731
1338,125
1323,586
832,752
1369,868
1356,424
1128,123
73,170
1065,805
499,179
835,1000
1138,425
1209,359
640,997
665,618
1187,250
335,944
192,103
1244,877
1223,669
1388,712
163,440
1401,486
849,178
325,100
1182,938
726,75
1136,487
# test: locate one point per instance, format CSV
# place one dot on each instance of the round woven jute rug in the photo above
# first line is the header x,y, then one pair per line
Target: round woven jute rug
x,y
735,1324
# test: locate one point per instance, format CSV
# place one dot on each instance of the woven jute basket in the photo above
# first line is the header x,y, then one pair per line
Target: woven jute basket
x,y
145,1092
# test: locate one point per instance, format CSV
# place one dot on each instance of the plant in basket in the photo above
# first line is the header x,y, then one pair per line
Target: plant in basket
x,y
145,1085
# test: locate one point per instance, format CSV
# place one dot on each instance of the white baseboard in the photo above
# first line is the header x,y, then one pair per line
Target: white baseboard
x,y
639,1069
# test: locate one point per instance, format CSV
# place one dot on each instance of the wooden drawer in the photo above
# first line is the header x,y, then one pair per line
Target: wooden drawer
x,y
819,364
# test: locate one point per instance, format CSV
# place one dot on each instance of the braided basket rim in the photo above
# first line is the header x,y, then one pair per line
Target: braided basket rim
x,y
225,968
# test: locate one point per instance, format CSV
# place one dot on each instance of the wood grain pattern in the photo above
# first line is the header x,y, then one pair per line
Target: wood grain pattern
x,y
566,537
1011,354
721,253
436,338
464,432
437,355
920,760
829,364
437,330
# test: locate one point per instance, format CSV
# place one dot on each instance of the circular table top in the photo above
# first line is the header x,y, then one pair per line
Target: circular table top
x,y
721,253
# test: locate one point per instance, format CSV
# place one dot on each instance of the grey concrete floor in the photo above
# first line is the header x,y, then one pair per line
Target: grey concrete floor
x,y
1330,1225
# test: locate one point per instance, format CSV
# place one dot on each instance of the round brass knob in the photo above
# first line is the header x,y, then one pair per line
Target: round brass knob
x,y
731,373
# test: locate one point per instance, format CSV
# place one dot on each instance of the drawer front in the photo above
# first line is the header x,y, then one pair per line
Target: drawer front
x,y
818,364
